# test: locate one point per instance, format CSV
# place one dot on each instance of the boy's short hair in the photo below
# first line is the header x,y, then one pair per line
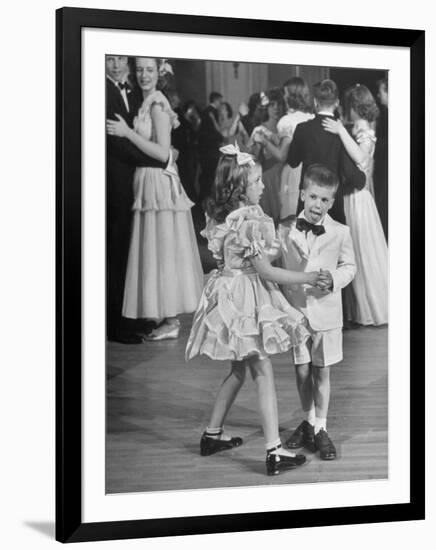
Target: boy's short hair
x,y
213,96
326,93
320,175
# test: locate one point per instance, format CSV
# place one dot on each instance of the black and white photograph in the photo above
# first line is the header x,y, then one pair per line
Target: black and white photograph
x,y
247,288
217,290
239,235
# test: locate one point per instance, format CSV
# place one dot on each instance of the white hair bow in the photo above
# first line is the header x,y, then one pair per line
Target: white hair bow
x,y
165,68
264,101
241,158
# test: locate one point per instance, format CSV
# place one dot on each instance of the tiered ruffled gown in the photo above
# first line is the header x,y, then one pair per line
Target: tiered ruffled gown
x,y
240,314
164,275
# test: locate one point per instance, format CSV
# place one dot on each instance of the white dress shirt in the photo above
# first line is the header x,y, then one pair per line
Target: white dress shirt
x,y
310,237
123,92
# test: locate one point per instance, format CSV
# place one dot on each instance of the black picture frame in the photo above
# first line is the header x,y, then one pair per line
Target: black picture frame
x,y
69,525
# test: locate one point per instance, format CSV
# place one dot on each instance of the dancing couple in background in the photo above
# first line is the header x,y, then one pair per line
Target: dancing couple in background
x,y
163,277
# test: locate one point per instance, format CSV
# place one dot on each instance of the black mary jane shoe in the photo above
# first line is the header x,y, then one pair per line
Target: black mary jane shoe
x,y
276,463
210,446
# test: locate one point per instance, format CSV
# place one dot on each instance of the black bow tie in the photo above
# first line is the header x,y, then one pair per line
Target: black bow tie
x,y
304,225
122,86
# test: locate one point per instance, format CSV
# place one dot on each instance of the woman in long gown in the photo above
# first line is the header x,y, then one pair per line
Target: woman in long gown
x,y
269,148
370,284
164,276
300,107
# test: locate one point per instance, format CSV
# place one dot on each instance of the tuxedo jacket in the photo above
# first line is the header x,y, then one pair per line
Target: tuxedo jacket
x,y
332,251
311,144
122,157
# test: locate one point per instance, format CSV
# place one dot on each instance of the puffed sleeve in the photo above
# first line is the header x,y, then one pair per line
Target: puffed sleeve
x,y
365,137
252,239
159,100
215,234
285,128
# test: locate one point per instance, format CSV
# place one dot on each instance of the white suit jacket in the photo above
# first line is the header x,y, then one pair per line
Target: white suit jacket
x,y
333,251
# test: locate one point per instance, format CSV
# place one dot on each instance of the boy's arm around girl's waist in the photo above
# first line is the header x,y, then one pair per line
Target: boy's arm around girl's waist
x,y
124,150
346,266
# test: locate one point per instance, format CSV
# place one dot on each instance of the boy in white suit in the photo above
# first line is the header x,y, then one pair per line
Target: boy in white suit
x,y
314,241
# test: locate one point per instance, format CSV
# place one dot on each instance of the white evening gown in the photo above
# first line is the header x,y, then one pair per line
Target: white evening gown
x,y
370,285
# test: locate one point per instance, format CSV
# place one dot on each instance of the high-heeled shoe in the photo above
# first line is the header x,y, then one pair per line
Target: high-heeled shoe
x,y
276,463
210,445
166,331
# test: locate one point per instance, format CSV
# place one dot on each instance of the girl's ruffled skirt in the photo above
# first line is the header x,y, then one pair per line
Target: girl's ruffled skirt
x,y
241,315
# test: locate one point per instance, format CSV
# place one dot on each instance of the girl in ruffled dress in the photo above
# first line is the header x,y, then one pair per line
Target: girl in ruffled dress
x,y
242,316
369,306
164,276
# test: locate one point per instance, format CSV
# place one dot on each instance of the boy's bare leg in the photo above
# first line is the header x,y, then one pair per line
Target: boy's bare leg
x,y
304,434
321,395
321,390
303,375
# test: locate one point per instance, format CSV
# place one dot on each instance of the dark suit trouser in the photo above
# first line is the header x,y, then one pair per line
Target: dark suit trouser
x,y
119,219
208,164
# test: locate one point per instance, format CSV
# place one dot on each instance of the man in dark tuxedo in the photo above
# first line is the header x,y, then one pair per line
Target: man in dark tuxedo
x,y
381,155
121,159
210,140
312,144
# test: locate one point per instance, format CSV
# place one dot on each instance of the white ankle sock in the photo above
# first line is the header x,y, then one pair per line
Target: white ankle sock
x,y
320,424
310,415
272,444
214,433
217,433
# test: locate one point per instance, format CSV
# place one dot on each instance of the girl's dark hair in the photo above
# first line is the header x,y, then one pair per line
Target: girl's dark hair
x,y
275,94
253,103
298,95
228,109
228,189
361,100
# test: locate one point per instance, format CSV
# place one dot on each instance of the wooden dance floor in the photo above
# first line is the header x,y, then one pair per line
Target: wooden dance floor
x,y
158,406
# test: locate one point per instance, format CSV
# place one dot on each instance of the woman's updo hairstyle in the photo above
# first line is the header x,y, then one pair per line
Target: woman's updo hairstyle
x,y
228,189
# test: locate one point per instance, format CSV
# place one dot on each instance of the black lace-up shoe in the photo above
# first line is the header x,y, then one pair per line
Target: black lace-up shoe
x,y
303,436
324,445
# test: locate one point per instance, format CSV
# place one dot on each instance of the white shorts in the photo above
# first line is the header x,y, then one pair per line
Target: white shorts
x,y
322,349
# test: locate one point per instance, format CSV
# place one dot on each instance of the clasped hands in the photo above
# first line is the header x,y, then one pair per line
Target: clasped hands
x,y
322,279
